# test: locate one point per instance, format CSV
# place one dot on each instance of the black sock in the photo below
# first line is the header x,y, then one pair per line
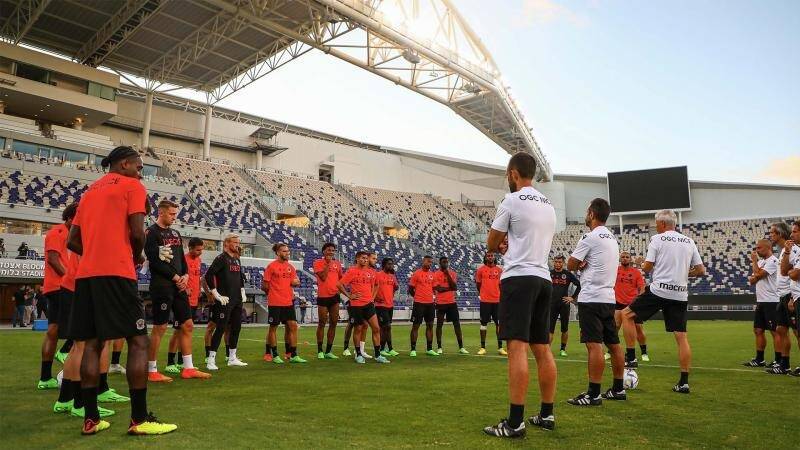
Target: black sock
x,y
208,350
515,413
499,344
115,357
546,410
644,349
138,404
618,386
389,344
66,347
377,350
684,378
46,371
430,345
65,393
274,351
267,349
179,357
785,363
227,351
594,390
328,347
346,345
170,359
778,357
319,347
77,395
760,355
293,351
287,348
630,354
103,383
413,346
483,342
358,350
90,403
460,342
563,346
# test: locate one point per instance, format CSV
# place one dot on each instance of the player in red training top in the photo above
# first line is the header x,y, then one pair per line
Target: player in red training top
x,y
446,308
420,286
487,280
108,233
384,304
279,279
328,272
630,284
55,250
363,288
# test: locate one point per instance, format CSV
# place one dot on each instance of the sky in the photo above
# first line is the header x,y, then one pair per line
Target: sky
x,y
605,85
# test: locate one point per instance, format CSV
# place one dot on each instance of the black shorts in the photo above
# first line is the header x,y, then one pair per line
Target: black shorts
x,y
166,300
489,313
327,302
385,315
360,314
422,311
64,300
222,315
448,312
53,306
674,311
281,315
620,306
525,309
106,308
783,317
765,316
597,323
559,308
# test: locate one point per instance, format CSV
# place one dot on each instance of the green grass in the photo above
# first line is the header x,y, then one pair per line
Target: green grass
x,y
423,402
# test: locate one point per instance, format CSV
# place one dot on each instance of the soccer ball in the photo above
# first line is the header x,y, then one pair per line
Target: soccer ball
x,y
630,379
60,377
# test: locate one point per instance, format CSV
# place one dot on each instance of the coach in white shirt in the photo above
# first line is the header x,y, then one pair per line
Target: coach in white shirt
x,y
672,258
779,233
528,221
597,256
765,278
790,267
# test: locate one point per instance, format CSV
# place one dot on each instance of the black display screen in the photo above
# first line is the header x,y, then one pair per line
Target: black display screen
x,y
649,190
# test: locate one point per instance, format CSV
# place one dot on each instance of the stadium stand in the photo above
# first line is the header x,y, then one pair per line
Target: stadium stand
x,y
19,125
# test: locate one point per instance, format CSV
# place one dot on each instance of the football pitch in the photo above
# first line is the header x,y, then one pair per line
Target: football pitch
x,y
423,401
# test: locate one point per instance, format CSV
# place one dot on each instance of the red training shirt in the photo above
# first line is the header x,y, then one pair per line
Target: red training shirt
x,y
489,278
193,270
422,282
444,298
279,276
68,280
361,281
387,283
629,282
327,288
103,218
54,241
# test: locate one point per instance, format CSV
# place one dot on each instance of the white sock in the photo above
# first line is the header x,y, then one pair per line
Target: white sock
x,y
233,354
187,362
152,366
361,346
212,355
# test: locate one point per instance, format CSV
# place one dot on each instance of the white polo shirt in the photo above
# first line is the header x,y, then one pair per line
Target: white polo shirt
x,y
530,221
784,282
794,263
767,287
672,255
600,250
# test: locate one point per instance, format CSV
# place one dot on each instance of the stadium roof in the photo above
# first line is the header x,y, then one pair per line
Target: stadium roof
x,y
221,46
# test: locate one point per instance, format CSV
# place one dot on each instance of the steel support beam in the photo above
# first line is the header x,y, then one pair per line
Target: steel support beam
x,y
22,19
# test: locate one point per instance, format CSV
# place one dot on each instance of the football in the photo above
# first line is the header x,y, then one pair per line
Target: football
x,y
630,379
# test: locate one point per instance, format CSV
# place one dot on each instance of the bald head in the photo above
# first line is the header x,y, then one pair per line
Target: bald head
x,y
764,248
